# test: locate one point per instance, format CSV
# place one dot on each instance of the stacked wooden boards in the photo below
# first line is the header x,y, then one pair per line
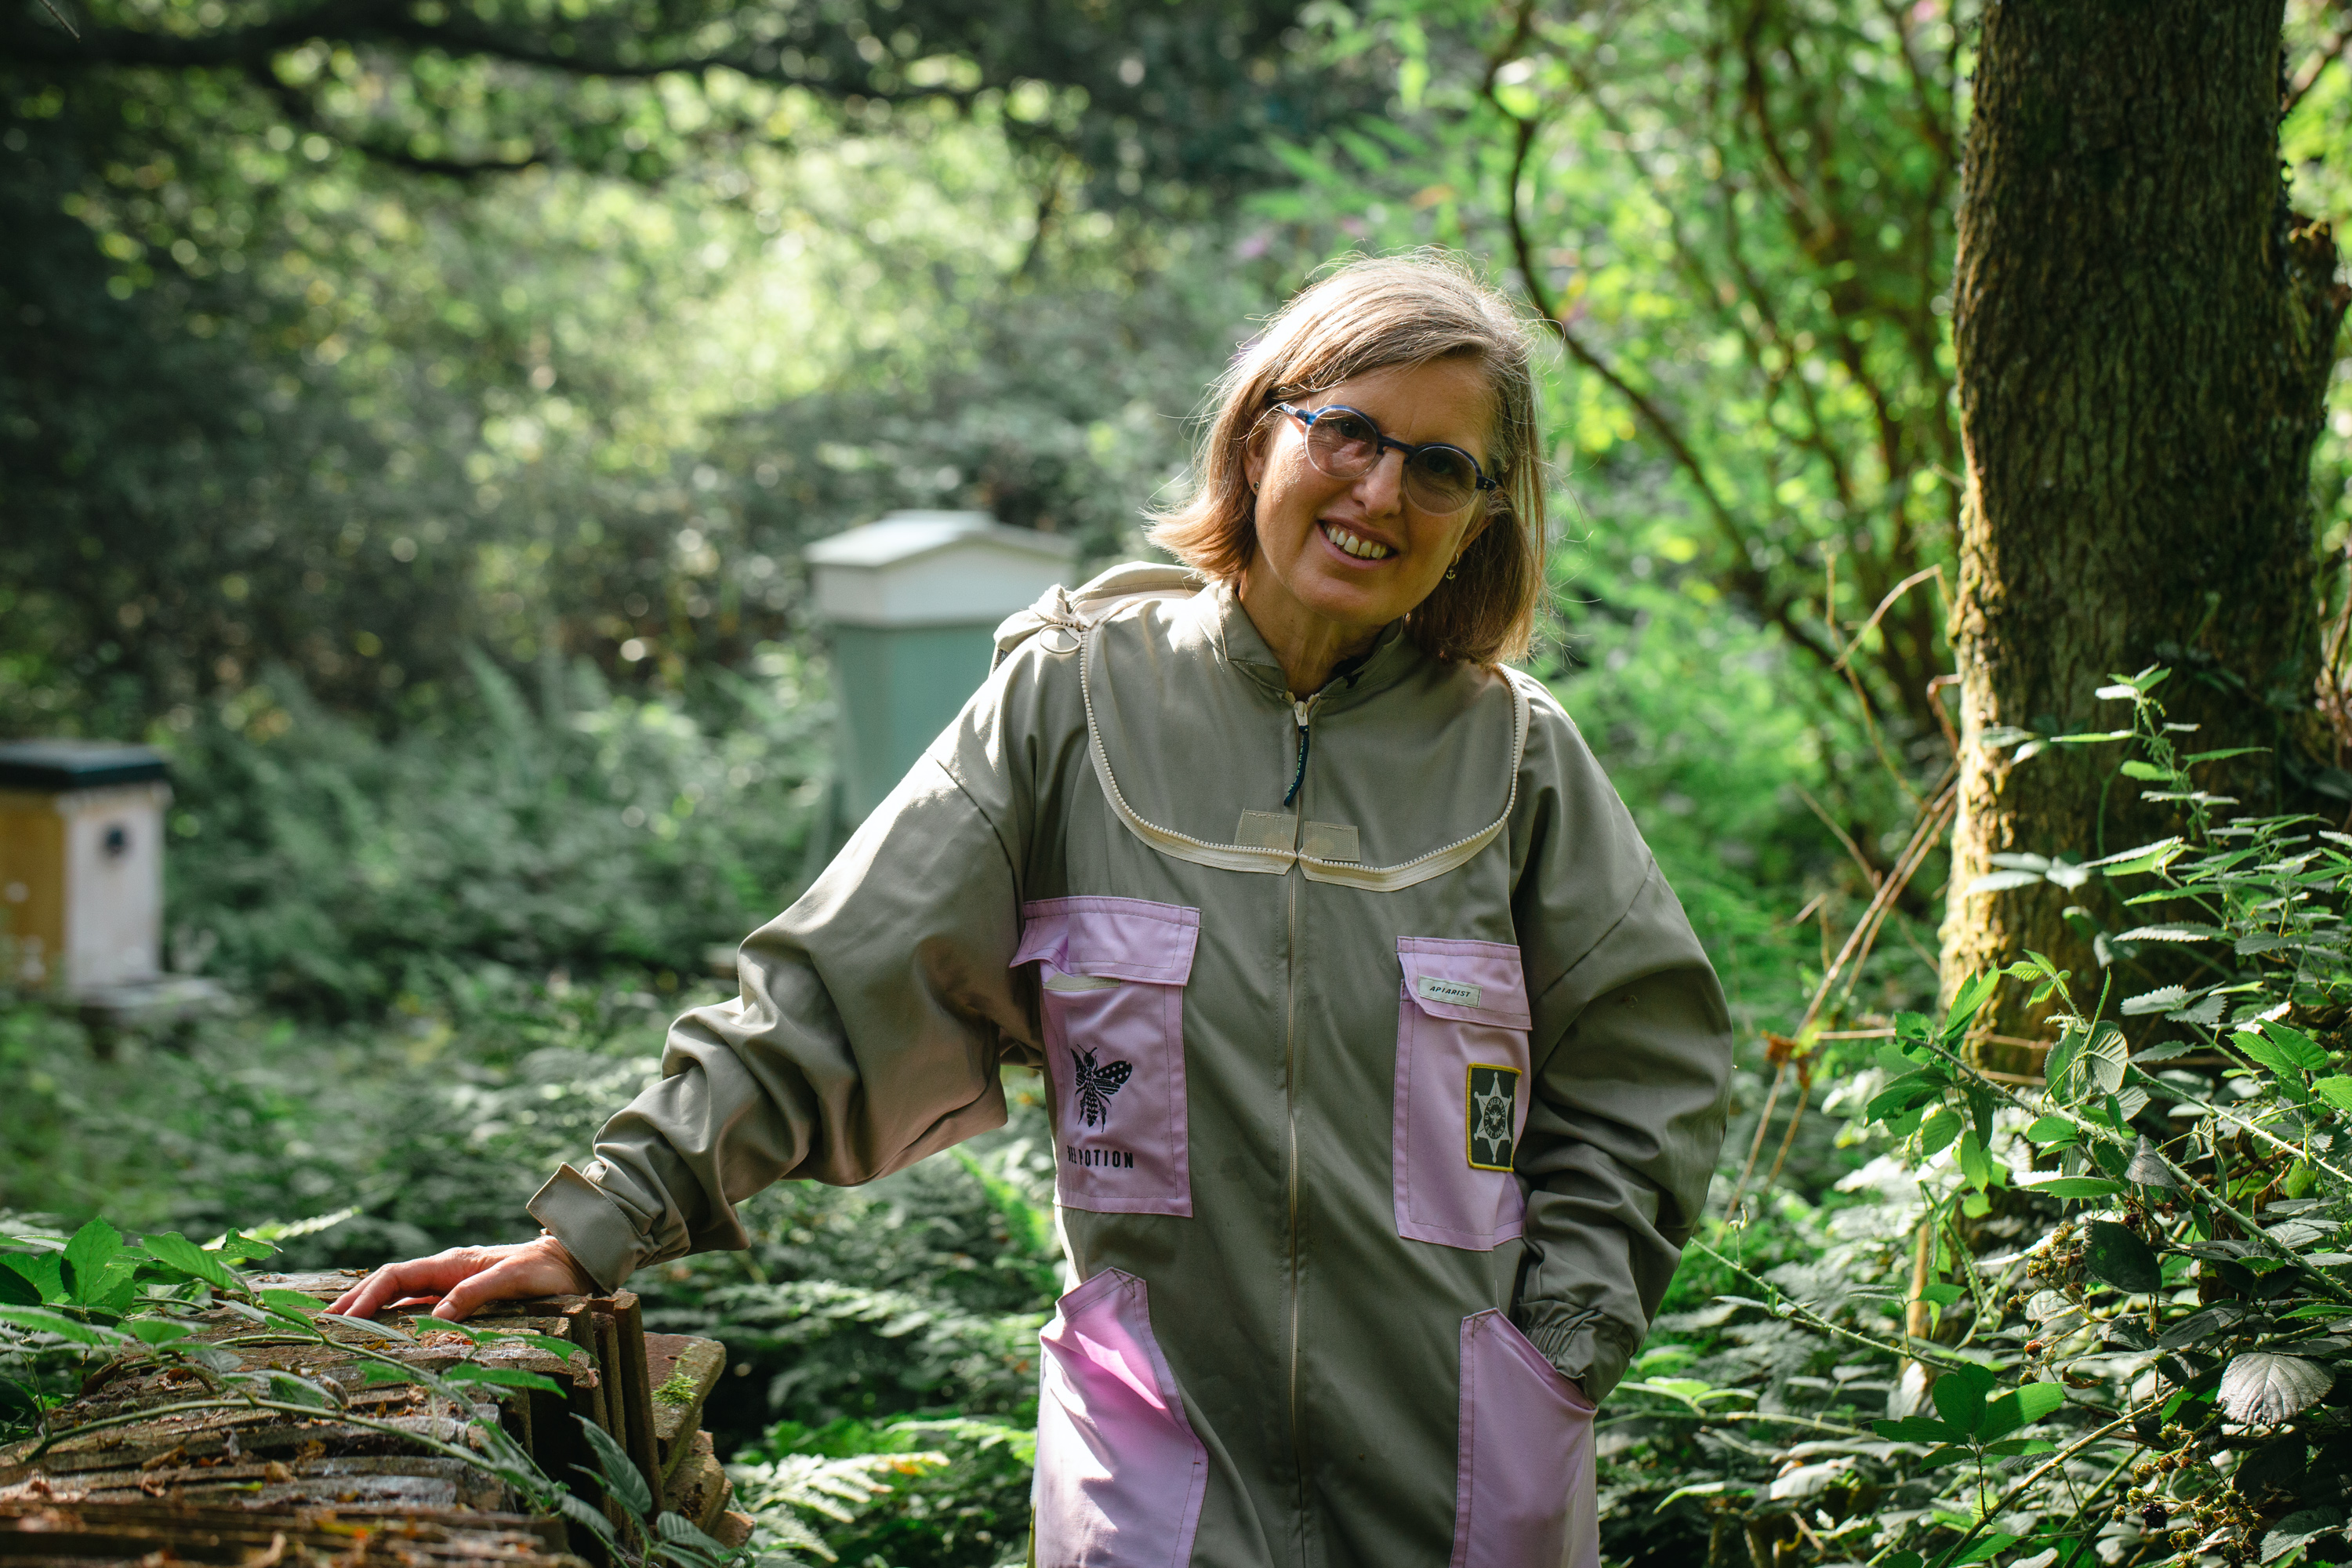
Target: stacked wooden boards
x,y
239,1486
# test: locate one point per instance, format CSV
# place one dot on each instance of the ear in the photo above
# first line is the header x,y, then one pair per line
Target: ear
x,y
1254,459
1479,525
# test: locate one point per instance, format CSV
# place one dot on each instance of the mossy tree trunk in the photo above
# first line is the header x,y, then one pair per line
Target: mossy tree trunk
x,y
2143,330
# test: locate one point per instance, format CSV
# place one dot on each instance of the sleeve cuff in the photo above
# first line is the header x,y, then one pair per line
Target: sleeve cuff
x,y
1592,1350
591,1226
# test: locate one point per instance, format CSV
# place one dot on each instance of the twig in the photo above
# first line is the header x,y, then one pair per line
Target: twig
x,y
1771,1098
50,7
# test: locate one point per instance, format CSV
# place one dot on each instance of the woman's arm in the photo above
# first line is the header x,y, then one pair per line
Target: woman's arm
x,y
873,1017
1633,1062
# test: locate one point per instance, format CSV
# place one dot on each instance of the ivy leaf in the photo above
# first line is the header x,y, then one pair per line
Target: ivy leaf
x,y
2121,1258
2260,1388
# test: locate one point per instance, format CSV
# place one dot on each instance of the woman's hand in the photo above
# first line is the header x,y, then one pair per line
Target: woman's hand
x,y
465,1279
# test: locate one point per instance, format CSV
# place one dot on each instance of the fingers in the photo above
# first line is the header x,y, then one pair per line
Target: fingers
x,y
427,1277
534,1268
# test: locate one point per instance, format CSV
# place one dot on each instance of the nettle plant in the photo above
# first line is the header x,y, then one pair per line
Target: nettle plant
x,y
2148,1372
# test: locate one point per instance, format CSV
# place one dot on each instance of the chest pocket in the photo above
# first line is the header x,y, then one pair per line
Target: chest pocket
x,y
1111,975
1461,1092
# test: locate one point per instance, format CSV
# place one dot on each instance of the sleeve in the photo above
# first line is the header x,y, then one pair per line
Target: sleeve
x,y
873,1016
1632,1054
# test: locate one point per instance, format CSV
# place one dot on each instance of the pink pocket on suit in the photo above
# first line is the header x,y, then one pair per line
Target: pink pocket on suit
x,y
1112,974
1523,1489
1461,1092
1120,1474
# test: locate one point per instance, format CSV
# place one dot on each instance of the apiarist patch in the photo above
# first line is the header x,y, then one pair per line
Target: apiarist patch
x,y
1494,1108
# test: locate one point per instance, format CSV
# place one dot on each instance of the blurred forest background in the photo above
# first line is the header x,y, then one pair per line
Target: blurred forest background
x,y
412,412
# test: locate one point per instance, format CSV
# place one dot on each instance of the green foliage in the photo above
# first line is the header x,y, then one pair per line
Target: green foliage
x,y
321,868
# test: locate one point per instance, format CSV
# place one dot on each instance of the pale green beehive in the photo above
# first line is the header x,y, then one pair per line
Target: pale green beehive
x,y
911,604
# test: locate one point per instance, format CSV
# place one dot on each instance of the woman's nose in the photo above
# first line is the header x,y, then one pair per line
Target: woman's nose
x,y
1380,489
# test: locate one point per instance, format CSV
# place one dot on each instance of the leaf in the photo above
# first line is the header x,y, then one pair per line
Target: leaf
x,y
1991,1546
623,1481
1935,1134
2336,1092
294,1301
44,1320
502,1377
2121,1258
2050,1131
2170,933
1966,1003
2077,1188
2261,1389
157,1330
87,1260
2163,999
177,1252
42,1271
2020,1407
2146,858
2297,1529
2148,1168
2301,1048
2002,881
2105,1057
1975,1163
291,1390
1943,1295
368,1327
1915,1429
2148,772
1960,1395
1904,1094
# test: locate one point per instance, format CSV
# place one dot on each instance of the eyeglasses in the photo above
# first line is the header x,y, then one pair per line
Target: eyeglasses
x,y
1346,445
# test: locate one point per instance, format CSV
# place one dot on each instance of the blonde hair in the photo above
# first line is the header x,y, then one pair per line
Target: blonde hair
x,y
1370,315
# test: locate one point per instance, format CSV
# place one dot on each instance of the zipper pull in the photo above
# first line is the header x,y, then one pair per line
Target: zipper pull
x,y
1301,709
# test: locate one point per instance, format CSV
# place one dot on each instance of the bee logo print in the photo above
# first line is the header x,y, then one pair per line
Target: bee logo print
x,y
1096,1085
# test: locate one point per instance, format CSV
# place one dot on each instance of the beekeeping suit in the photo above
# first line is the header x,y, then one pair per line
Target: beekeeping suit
x,y
1379,1115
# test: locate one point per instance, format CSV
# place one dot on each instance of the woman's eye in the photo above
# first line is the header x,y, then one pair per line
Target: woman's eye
x,y
1351,428
1450,468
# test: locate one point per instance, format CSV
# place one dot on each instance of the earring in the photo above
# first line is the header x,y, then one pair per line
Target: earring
x,y
1449,574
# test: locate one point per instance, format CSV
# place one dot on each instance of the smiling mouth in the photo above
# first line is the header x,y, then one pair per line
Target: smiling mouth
x,y
1360,548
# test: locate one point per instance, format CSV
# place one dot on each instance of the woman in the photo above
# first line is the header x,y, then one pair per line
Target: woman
x,y
1386,1074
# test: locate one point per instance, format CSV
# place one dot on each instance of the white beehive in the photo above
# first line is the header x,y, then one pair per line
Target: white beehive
x,y
81,864
912,604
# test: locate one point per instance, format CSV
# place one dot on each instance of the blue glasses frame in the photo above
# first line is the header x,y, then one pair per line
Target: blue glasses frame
x,y
1383,441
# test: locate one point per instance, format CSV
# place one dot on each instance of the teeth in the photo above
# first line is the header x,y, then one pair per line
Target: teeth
x,y
1362,549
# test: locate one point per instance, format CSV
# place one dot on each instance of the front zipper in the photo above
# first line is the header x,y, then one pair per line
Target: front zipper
x,y
1302,709
1302,713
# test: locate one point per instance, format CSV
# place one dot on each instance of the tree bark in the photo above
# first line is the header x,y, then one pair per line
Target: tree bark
x,y
2143,330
